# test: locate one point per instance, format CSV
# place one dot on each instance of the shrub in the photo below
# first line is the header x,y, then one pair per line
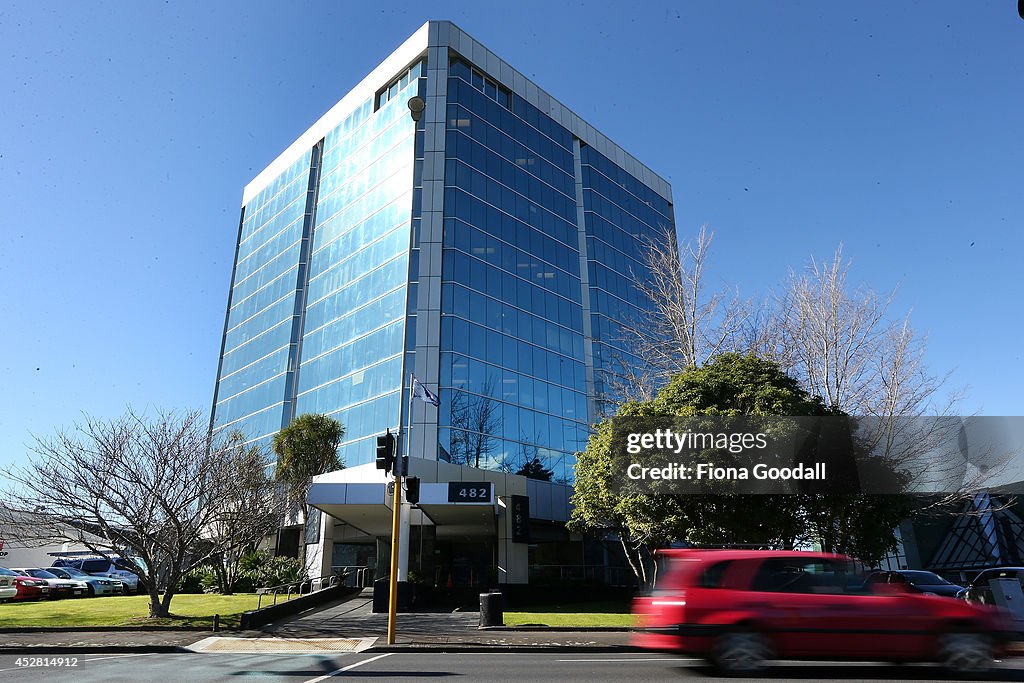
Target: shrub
x,y
264,570
197,581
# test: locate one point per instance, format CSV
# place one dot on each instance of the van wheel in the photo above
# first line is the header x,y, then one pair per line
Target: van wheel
x,y
740,653
966,652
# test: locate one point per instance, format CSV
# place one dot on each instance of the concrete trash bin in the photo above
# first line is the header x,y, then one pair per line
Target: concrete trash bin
x,y
491,609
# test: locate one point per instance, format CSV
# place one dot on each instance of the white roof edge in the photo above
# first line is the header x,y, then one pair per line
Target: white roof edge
x,y
405,54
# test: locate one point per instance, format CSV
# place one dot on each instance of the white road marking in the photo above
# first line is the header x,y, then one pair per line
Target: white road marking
x,y
136,654
347,668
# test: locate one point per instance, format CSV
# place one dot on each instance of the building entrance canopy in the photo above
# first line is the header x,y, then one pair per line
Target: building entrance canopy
x,y
367,508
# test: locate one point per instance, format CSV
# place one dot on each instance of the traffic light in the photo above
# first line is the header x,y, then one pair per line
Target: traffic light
x,y
386,451
412,489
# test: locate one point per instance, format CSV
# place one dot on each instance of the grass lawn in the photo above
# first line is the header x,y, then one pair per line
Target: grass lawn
x,y
606,613
128,610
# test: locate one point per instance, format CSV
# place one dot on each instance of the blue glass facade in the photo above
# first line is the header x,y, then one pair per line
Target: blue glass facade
x,y
355,318
621,217
512,329
494,230
261,324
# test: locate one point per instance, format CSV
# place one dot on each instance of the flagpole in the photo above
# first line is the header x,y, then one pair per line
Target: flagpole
x,y
408,429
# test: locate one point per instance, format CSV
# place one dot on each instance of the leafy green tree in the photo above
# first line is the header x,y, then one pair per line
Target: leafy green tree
x,y
306,448
731,385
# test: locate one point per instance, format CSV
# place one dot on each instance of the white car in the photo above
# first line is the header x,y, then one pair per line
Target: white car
x,y
8,589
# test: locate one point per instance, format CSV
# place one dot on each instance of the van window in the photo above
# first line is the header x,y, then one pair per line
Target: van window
x,y
97,565
712,576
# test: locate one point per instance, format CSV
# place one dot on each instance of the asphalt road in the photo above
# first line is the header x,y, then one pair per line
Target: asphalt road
x,y
519,667
496,666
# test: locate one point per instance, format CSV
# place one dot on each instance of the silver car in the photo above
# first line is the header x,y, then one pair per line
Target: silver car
x,y
101,566
98,585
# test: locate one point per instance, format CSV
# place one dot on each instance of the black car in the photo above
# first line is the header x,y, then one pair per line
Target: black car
x,y
980,591
917,581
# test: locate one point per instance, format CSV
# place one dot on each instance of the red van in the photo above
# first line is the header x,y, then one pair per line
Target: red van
x,y
741,608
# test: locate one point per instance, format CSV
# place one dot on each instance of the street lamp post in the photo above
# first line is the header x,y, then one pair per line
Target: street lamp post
x,y
416,107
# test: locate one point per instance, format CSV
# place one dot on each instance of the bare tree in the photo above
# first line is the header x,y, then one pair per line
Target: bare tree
x,y
843,344
837,337
160,489
250,516
688,322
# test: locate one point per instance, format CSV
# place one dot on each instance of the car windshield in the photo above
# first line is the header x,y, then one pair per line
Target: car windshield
x,y
924,578
8,572
41,574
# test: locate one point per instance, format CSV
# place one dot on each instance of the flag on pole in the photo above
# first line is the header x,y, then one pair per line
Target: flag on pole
x,y
422,393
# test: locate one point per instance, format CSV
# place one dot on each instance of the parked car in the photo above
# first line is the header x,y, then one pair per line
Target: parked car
x,y
27,587
740,608
59,588
97,585
917,581
114,568
979,591
8,589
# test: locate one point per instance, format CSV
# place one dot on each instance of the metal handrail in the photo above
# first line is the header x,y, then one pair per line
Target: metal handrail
x,y
299,588
362,574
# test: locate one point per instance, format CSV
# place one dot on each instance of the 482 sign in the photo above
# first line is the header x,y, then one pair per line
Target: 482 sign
x,y
469,492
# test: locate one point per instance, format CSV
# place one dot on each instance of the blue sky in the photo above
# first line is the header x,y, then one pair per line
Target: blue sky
x,y
127,131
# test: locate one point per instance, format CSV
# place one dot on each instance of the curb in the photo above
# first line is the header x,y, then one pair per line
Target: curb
x,y
106,629
556,629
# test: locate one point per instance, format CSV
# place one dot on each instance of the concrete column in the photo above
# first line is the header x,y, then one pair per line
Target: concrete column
x,y
319,554
513,558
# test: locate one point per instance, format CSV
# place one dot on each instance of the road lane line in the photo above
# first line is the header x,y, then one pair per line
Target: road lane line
x,y
136,654
347,668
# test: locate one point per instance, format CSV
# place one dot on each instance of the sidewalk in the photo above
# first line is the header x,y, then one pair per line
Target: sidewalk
x,y
446,631
349,619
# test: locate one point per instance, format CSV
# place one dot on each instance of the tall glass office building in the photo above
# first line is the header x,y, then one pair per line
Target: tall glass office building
x,y
489,249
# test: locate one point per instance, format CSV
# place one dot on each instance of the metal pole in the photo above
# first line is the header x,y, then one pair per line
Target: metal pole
x,y
396,502
416,106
